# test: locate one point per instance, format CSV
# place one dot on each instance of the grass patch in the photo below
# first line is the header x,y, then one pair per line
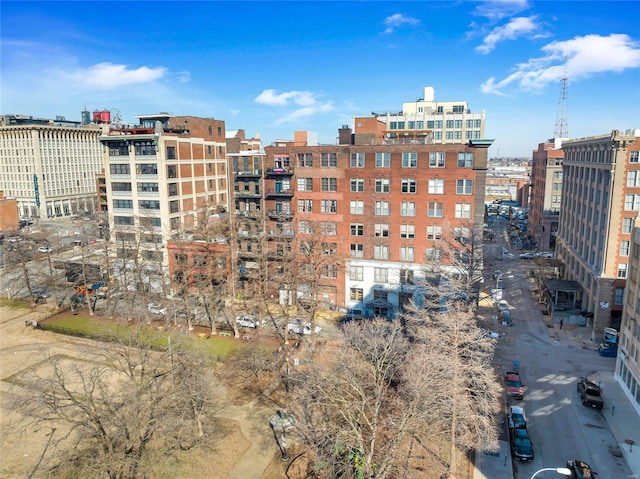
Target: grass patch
x,y
14,303
216,347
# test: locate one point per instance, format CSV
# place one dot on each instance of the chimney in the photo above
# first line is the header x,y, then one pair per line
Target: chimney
x,y
344,135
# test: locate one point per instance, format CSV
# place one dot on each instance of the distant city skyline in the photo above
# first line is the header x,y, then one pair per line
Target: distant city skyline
x,y
276,67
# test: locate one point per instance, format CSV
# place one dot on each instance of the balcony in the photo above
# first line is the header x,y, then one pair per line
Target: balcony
x,y
247,194
280,215
257,173
253,215
287,171
275,234
279,192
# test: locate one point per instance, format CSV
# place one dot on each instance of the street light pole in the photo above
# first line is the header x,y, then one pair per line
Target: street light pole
x,y
560,470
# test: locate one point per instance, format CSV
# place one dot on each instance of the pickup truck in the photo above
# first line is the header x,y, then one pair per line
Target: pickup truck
x,y
515,388
590,393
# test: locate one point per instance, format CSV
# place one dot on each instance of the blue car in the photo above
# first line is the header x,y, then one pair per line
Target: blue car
x,y
608,350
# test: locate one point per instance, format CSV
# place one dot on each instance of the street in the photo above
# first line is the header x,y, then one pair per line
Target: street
x,y
561,428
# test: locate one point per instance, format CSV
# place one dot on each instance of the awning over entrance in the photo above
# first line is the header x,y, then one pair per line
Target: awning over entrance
x,y
379,303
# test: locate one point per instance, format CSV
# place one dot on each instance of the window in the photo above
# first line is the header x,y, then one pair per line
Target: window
x,y
618,298
406,253
465,160
381,251
407,231
357,250
463,210
355,294
632,202
126,204
622,270
329,271
149,205
357,229
633,179
305,227
624,248
357,185
634,157
409,160
173,206
357,160
381,230
120,186
436,159
329,228
409,185
464,187
627,225
408,208
146,169
434,233
145,148
329,184
436,186
171,171
123,220
381,275
117,148
305,160
433,254
305,184
147,187
356,273
382,208
356,207
329,160
305,206
449,123
329,248
383,160
434,209
119,169
406,276
173,189
383,185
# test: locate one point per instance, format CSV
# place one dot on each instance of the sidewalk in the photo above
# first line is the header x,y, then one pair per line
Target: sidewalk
x,y
621,417
494,465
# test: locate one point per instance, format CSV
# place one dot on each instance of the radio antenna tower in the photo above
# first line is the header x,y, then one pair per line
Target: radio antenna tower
x,y
562,127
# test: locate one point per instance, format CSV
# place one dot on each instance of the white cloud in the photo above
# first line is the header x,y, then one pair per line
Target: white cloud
x,y
109,75
496,10
586,56
308,102
516,27
184,77
398,20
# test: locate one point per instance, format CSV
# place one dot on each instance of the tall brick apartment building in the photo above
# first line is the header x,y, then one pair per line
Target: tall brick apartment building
x,y
381,208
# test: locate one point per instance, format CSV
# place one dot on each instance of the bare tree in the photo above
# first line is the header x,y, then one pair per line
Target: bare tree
x,y
355,410
118,411
456,366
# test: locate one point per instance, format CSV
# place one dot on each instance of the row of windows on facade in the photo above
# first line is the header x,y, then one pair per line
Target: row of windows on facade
x,y
152,187
149,148
152,169
120,204
437,159
434,124
595,261
435,209
435,186
598,156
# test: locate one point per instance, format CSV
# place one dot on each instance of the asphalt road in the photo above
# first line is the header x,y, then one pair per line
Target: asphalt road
x,y
561,428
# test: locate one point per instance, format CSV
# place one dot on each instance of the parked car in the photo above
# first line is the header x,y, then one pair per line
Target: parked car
x,y
608,350
505,317
44,249
500,283
590,393
301,328
515,388
521,445
155,308
517,417
544,254
248,321
15,239
580,469
496,274
527,255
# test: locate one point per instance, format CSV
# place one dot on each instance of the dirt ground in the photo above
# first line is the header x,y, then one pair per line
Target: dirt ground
x,y
244,447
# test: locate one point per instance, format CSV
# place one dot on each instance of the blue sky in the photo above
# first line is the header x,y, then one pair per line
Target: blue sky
x,y
276,67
